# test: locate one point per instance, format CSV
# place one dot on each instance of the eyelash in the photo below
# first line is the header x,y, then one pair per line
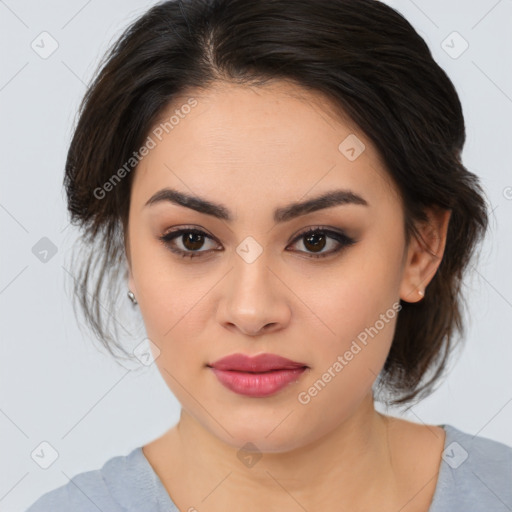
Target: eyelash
x,y
341,238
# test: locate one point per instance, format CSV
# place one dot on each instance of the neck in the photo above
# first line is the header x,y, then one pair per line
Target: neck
x,y
349,465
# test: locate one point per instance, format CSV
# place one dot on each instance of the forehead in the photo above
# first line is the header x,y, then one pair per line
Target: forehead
x,y
259,144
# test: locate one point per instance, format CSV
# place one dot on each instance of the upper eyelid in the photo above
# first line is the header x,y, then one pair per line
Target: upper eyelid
x,y
181,230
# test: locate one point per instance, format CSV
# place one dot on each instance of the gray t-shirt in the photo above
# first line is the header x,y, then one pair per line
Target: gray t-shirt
x,y
475,476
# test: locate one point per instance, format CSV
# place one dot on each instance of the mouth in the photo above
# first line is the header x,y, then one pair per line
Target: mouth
x,y
259,376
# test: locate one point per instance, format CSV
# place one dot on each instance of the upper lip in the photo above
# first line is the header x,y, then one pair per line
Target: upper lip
x,y
259,363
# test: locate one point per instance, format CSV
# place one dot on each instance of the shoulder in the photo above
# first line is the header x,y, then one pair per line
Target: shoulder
x,y
475,474
121,480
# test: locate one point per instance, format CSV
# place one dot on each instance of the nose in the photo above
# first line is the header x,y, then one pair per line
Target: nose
x,y
255,300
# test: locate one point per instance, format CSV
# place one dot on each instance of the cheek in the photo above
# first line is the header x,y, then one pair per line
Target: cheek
x,y
164,291
174,311
358,309
355,294
346,367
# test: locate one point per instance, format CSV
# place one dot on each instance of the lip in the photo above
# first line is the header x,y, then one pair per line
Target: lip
x,y
258,376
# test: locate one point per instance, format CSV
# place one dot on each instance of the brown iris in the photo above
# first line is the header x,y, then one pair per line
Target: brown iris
x,y
313,239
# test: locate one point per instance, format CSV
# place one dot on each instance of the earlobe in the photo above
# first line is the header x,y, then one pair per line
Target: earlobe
x,y
424,254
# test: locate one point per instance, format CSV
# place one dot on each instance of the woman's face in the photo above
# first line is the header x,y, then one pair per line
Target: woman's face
x,y
254,284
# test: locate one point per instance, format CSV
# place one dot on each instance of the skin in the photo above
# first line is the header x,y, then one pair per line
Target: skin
x,y
335,452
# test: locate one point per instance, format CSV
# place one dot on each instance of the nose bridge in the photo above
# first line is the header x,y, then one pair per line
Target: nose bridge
x,y
251,275
253,297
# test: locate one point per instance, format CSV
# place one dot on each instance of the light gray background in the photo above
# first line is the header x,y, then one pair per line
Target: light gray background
x,y
56,386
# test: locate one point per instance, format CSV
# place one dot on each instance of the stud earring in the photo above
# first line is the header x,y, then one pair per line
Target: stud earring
x,y
131,296
421,293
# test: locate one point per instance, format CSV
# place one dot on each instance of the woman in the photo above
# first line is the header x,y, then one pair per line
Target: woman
x,y
282,182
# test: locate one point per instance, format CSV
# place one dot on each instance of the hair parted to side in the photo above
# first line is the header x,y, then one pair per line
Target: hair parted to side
x,y
361,54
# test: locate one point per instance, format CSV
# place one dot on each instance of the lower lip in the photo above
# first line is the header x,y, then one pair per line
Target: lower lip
x,y
257,384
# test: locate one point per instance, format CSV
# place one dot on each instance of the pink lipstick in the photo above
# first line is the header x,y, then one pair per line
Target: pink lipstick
x,y
259,376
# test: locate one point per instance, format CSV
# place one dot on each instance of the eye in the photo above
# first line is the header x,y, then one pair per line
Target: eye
x,y
190,238
314,239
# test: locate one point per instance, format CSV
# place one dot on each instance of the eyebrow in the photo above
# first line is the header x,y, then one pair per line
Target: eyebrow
x,y
282,214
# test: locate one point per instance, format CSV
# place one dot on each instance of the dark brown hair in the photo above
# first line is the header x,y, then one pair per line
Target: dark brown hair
x,y
361,54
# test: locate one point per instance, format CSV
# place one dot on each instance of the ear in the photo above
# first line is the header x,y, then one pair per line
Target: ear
x,y
424,254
